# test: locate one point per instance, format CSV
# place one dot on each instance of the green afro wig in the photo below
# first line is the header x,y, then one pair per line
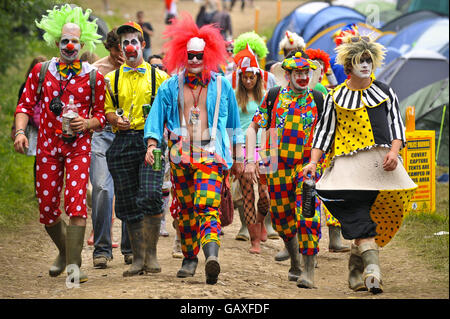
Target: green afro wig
x,y
53,22
255,42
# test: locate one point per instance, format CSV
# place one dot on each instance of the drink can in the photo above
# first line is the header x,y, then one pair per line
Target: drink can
x,y
157,165
146,109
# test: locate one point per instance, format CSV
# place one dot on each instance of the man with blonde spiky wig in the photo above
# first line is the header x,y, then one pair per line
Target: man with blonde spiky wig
x,y
66,78
365,186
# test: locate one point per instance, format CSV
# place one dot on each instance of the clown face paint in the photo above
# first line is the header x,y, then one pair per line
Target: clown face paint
x,y
69,47
131,47
364,68
195,62
299,79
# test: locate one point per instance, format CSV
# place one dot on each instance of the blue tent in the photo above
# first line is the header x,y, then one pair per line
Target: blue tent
x,y
427,34
310,21
295,22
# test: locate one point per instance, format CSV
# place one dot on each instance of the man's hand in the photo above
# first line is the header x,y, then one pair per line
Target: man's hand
x,y
20,143
251,173
237,169
123,124
309,170
390,161
79,124
149,158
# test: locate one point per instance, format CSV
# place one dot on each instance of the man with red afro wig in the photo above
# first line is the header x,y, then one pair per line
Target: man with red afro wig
x,y
196,105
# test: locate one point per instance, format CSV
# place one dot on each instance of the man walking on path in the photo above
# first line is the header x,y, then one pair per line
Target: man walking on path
x,y
102,183
196,105
67,79
137,186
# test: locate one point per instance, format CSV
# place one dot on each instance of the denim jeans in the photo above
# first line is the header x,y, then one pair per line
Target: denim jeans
x,y
102,197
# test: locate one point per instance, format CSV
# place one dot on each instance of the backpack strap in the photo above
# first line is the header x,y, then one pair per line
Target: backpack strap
x,y
153,85
44,68
271,97
92,80
318,99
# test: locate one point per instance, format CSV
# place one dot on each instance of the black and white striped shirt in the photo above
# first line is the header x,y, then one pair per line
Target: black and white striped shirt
x,y
387,126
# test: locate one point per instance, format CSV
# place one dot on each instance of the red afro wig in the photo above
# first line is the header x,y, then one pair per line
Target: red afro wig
x,y
180,32
317,54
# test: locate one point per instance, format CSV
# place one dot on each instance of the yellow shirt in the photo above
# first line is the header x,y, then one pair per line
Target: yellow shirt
x,y
134,89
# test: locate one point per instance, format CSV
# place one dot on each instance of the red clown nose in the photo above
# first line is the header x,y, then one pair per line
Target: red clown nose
x,y
129,48
70,46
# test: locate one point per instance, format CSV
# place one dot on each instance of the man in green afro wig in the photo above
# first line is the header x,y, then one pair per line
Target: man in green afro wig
x,y
64,142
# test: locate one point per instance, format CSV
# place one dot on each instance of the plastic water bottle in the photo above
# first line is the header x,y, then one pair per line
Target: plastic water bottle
x,y
70,111
309,198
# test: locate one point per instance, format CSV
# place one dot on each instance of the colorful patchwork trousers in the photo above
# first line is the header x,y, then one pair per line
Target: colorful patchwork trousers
x,y
197,185
285,190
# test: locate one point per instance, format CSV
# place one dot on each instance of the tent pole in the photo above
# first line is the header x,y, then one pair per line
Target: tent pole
x,y
440,132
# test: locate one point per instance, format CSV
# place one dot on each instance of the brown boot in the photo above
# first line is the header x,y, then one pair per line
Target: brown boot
x,y
255,238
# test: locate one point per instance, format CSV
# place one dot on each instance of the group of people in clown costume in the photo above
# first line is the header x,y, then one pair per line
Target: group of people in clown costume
x,y
265,131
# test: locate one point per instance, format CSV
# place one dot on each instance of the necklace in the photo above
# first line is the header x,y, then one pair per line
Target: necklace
x,y
194,112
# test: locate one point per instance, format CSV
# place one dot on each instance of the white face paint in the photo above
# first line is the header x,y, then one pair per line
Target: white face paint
x,y
364,68
69,47
195,62
131,47
299,79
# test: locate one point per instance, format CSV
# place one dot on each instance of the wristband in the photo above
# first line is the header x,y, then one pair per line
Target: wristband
x,y
18,132
312,162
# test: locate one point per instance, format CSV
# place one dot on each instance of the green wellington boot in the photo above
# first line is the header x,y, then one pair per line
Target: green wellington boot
x,y
136,233
58,234
335,244
294,254
243,233
212,266
372,274
152,227
282,255
306,279
355,270
74,246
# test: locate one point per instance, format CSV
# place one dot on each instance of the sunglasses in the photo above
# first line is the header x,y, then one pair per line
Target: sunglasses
x,y
359,38
191,56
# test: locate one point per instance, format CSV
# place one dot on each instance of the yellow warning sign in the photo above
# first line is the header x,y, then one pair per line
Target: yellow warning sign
x,y
419,161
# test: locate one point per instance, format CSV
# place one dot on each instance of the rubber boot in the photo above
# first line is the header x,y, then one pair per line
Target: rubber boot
x,y
282,255
355,270
306,279
372,274
212,266
335,243
136,234
243,233
152,227
188,267
255,238
58,234
294,254
271,233
74,246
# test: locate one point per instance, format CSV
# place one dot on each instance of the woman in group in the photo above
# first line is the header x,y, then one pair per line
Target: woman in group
x,y
249,92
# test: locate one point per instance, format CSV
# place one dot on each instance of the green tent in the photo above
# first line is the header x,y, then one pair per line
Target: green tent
x,y
429,105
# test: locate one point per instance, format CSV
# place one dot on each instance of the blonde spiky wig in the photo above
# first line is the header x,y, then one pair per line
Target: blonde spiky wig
x,y
349,53
53,22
